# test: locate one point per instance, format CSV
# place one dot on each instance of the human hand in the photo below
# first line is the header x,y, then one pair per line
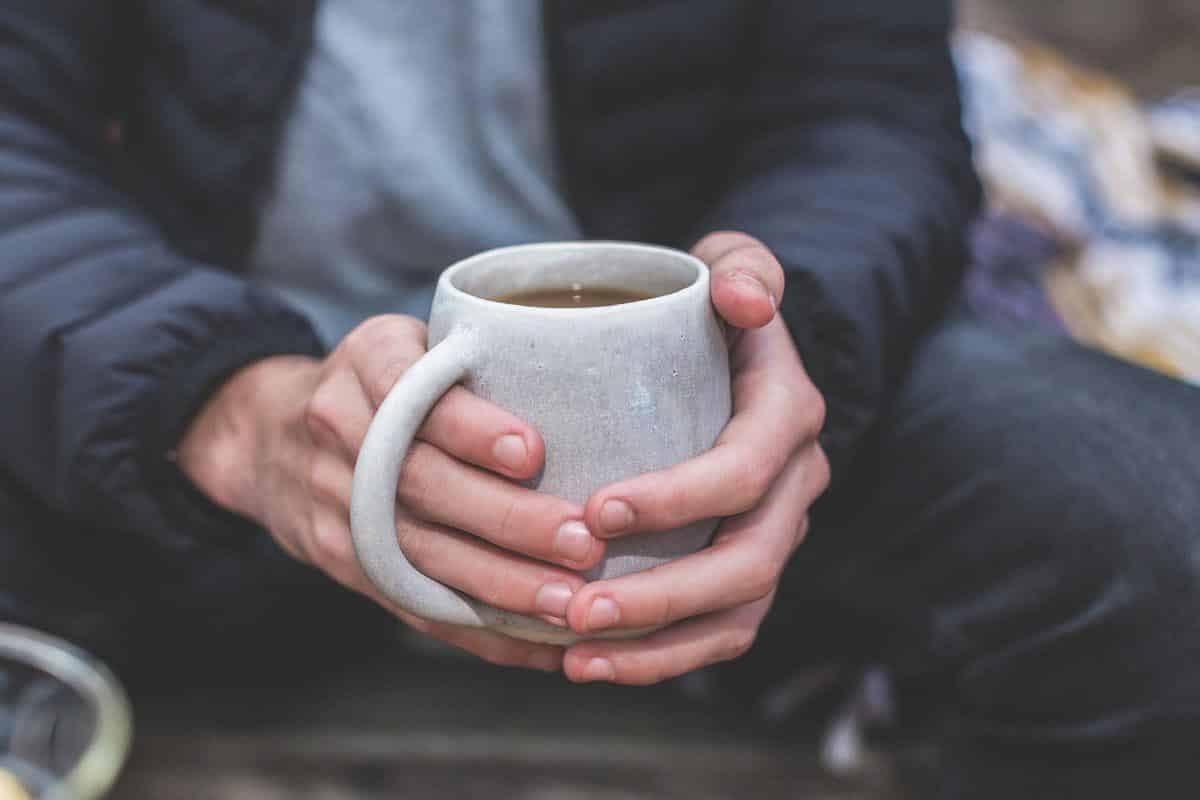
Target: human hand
x,y
278,441
763,473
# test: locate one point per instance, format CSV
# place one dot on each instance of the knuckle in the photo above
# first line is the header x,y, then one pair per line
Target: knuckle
x,y
675,497
763,473
416,544
324,480
449,415
351,343
331,548
736,644
393,341
321,412
751,478
761,578
496,588
418,476
661,610
509,528
795,391
529,523
381,381
361,341
804,405
819,411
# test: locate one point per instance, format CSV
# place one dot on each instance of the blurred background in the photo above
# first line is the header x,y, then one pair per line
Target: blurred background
x,y
1154,45
1085,116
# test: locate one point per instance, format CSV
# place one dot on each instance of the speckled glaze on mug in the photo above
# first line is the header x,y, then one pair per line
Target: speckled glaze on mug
x,y
615,391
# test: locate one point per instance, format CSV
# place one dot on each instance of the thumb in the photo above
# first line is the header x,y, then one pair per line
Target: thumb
x,y
746,279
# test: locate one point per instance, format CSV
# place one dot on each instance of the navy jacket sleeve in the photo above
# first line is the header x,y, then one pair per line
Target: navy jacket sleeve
x,y
853,167
110,340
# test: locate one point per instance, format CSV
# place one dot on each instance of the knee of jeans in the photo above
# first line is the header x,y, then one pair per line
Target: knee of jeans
x,y
1112,519
1086,482
1055,436
1089,631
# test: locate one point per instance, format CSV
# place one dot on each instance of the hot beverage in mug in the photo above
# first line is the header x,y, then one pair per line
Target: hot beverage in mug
x,y
576,296
626,376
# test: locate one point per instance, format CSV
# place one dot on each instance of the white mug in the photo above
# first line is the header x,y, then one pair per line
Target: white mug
x,y
615,391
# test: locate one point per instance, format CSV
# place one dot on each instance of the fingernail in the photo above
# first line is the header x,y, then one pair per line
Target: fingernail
x,y
573,541
510,451
616,516
774,300
603,614
599,669
544,660
553,599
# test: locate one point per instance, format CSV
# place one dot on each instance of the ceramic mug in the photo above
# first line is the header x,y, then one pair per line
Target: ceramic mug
x,y
615,391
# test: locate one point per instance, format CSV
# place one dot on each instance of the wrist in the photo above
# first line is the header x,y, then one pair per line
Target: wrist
x,y
224,444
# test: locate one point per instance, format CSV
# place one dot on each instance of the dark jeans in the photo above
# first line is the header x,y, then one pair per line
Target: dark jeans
x,y
1022,535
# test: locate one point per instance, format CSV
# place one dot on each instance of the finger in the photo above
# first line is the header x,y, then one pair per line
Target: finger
x,y
742,565
330,548
747,280
479,432
382,349
330,480
498,578
481,570
496,648
669,653
378,353
433,485
338,414
774,415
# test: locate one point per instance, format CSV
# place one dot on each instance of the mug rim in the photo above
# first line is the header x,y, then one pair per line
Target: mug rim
x,y
698,283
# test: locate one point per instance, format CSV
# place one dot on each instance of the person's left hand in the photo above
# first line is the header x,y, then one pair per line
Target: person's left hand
x,y
763,473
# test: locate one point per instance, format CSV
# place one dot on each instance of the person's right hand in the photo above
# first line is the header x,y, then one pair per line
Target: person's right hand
x,y
278,441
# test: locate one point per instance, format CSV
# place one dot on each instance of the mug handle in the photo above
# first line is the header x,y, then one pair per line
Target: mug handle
x,y
373,500
377,473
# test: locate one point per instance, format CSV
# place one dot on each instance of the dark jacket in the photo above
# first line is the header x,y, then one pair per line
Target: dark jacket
x,y
136,145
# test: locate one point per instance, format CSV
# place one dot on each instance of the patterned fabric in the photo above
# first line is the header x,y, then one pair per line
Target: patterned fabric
x,y
1094,204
